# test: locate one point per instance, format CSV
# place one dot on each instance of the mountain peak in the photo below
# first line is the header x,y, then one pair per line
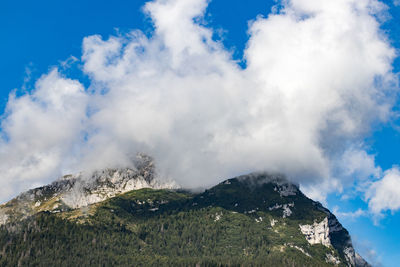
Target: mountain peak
x,y
78,190
282,185
275,194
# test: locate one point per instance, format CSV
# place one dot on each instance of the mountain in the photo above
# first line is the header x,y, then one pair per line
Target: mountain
x,y
126,218
79,190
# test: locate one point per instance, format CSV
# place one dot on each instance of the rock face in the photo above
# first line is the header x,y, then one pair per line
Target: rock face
x,y
329,232
76,191
286,211
109,183
360,262
332,259
317,233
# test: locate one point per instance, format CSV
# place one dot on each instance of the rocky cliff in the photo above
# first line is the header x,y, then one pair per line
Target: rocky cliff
x,y
82,189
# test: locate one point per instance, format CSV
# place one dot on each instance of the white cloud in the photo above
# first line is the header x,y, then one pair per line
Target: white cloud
x,y
318,75
350,215
356,162
384,194
41,130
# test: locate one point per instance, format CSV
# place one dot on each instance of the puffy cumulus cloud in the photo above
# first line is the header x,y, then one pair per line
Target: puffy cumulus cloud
x,y
322,62
384,194
317,76
38,130
356,162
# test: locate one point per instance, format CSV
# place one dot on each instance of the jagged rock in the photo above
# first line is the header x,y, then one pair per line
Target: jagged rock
x,y
332,259
286,212
287,189
317,233
360,262
350,255
323,232
108,183
78,190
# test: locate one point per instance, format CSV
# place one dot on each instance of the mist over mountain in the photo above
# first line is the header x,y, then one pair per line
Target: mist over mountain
x,y
299,106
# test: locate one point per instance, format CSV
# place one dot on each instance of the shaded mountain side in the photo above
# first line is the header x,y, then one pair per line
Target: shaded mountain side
x,y
254,220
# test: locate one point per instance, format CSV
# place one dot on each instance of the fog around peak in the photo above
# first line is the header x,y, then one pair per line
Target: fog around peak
x,y
318,76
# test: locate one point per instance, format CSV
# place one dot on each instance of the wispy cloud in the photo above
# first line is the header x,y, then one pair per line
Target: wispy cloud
x,y
352,215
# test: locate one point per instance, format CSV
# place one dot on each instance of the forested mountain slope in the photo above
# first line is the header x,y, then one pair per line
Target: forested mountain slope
x,y
253,220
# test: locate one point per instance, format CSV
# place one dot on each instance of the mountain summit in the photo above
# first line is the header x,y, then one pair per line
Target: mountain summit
x,y
80,190
124,218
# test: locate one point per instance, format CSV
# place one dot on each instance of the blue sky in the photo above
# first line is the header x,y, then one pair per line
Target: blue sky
x,y
39,35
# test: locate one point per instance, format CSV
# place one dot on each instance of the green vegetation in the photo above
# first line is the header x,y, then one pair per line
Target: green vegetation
x,y
228,225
